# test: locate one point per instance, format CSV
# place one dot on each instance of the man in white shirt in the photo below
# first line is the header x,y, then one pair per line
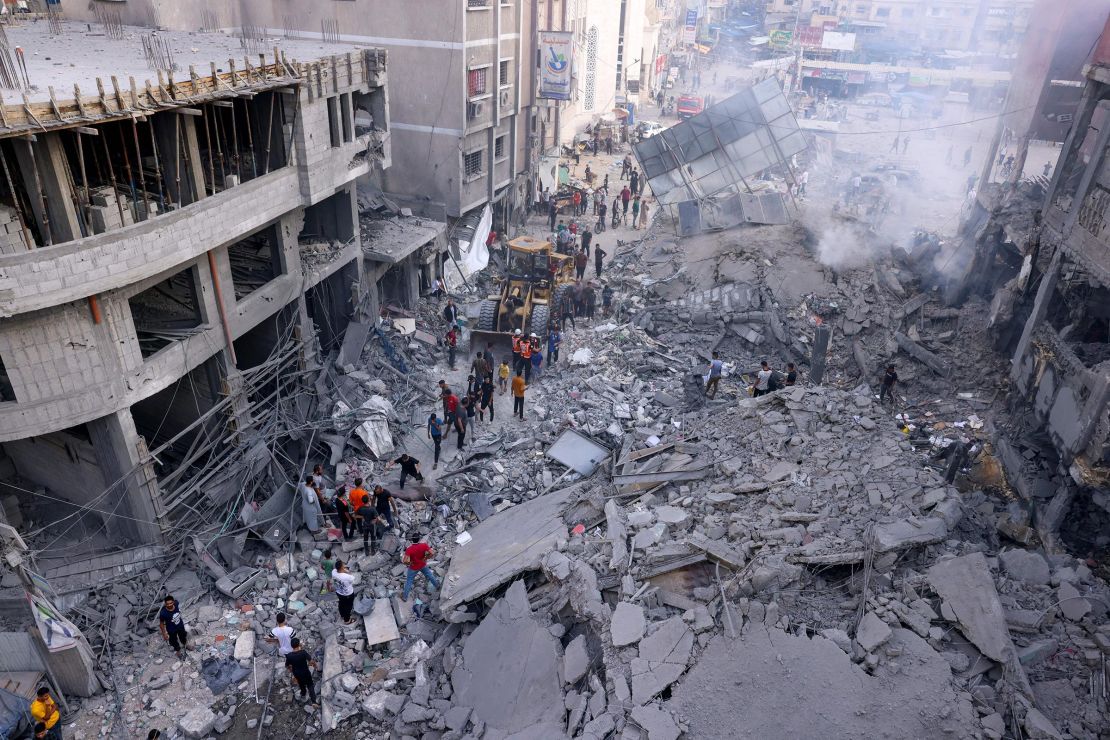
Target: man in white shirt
x,y
282,636
763,379
344,590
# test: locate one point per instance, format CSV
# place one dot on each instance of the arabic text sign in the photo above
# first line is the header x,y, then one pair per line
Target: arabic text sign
x,y
690,28
556,52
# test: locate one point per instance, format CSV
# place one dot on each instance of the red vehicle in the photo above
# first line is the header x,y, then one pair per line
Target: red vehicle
x,y
689,105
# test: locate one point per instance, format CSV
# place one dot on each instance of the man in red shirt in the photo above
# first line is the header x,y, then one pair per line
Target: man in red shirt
x,y
416,558
450,407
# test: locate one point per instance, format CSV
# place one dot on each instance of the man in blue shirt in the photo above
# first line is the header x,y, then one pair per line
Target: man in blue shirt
x,y
554,339
715,369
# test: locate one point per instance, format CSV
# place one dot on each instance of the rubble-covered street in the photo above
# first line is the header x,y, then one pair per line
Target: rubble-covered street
x,y
823,453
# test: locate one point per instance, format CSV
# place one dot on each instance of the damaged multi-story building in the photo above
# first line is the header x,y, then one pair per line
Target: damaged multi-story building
x,y
1050,240
179,242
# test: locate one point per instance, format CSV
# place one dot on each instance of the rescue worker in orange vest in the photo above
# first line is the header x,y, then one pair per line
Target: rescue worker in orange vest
x,y
517,341
526,357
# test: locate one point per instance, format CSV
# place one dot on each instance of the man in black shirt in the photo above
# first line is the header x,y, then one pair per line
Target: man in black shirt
x,y
486,394
300,664
172,625
384,503
791,374
890,378
410,467
372,526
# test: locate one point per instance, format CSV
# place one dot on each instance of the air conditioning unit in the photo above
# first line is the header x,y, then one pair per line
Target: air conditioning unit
x,y
473,110
506,98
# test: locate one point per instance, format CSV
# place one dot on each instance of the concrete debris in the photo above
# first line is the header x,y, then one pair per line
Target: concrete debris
x,y
663,657
872,632
1023,565
627,625
508,673
656,722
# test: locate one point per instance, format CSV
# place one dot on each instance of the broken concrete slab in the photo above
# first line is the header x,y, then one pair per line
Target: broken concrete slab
x,y
576,661
379,623
617,535
244,645
872,632
627,624
504,546
1072,604
508,673
777,673
968,590
197,723
1022,565
904,533
657,723
663,657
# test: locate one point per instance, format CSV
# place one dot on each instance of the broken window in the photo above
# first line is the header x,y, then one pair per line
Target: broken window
x,y
166,312
242,138
1073,163
255,261
1080,313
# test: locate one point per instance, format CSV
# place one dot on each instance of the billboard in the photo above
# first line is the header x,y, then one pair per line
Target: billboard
x,y
837,41
690,27
556,56
781,39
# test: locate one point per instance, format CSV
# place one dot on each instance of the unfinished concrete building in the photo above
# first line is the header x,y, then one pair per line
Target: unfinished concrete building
x,y
1058,456
459,110
174,254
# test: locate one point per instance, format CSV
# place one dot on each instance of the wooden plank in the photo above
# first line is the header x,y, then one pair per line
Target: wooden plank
x,y
380,624
119,93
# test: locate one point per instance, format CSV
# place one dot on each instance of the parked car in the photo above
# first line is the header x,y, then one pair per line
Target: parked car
x,y
649,128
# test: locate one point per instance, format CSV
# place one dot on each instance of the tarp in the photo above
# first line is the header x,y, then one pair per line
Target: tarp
x,y
374,430
58,633
473,255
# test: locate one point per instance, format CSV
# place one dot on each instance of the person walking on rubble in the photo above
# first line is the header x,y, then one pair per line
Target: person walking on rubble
x,y
886,389
310,505
486,399
599,260
172,626
626,198
517,339
416,557
644,214
410,468
343,513
372,526
763,379
602,208
587,238
282,635
451,313
636,211
580,262
519,386
716,367
554,341
300,664
527,348
461,420
435,433
566,311
503,377
451,339
450,407
344,589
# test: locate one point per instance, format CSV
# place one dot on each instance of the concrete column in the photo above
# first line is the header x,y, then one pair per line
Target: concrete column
x,y
411,272
195,167
122,455
1040,306
179,156
45,171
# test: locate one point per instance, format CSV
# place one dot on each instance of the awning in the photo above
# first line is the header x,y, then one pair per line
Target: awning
x,y
704,49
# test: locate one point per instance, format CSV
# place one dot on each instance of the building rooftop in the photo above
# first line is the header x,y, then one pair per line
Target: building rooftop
x,y
392,239
82,53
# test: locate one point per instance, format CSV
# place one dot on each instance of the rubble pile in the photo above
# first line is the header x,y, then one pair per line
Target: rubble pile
x,y
638,561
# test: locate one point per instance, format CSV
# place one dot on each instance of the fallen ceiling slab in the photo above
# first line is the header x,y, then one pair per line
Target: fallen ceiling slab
x,y
509,673
504,546
778,673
